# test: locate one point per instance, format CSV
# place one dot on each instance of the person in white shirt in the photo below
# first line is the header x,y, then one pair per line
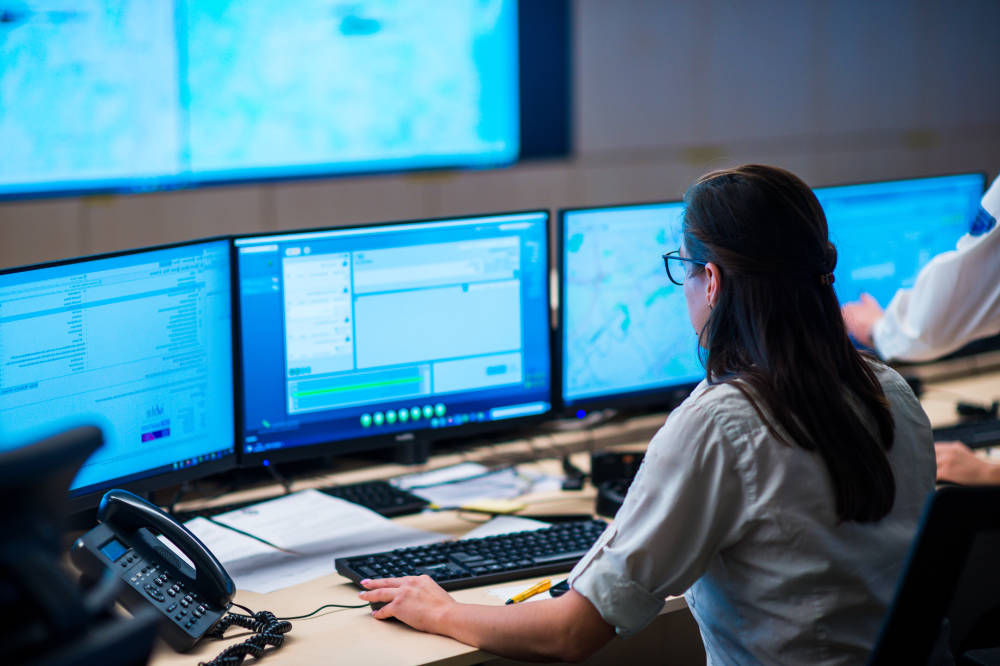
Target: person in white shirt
x,y
955,299
781,497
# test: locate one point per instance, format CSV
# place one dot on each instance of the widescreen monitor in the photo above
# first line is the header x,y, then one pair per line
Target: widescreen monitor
x,y
624,334
138,344
366,337
136,96
885,232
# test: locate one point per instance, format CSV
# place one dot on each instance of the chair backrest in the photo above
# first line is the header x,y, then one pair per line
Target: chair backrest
x,y
950,586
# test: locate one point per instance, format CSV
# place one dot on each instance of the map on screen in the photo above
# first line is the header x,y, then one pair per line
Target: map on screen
x,y
625,325
154,94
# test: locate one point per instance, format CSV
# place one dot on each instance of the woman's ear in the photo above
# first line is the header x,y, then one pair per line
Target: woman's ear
x,y
713,284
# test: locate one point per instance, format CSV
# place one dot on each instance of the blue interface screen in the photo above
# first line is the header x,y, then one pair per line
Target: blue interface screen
x,y
139,345
148,95
354,333
625,326
886,232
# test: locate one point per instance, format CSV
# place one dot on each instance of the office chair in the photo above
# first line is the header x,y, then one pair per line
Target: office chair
x,y
947,605
45,618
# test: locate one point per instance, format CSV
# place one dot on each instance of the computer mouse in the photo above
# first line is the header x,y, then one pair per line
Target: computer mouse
x,y
377,604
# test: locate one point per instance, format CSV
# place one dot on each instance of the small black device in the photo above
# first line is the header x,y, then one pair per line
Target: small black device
x,y
613,465
190,601
612,473
971,411
455,565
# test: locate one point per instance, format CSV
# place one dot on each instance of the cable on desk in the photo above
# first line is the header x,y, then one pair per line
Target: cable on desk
x,y
302,617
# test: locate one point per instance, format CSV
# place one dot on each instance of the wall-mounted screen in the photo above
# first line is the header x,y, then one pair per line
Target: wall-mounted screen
x,y
111,96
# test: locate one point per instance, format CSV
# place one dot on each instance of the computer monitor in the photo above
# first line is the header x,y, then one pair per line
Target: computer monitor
x,y
366,337
885,232
137,343
624,334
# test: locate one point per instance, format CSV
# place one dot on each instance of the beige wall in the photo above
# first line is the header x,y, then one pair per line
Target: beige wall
x,y
835,90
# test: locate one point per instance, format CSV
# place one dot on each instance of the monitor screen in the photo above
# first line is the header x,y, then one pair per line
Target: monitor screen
x,y
135,96
886,232
359,337
625,333
139,344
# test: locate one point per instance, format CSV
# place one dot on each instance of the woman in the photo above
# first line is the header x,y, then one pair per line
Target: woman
x,y
782,495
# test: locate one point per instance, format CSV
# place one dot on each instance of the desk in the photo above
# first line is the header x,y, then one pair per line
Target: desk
x,y
939,397
351,636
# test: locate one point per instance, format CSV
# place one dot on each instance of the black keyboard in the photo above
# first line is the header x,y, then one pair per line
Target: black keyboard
x,y
379,496
974,434
473,562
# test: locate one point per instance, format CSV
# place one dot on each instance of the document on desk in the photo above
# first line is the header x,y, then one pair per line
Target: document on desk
x,y
311,529
507,483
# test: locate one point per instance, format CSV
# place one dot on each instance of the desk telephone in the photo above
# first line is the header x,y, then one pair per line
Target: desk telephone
x,y
190,601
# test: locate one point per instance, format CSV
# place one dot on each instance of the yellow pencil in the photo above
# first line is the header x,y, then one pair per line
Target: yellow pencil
x,y
537,588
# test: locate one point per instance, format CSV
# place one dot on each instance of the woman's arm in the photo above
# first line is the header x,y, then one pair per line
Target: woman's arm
x,y
567,628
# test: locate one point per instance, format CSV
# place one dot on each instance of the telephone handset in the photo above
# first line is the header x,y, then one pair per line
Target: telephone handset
x,y
190,601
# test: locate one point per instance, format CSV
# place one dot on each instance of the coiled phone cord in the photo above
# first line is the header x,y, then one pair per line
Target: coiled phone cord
x,y
268,630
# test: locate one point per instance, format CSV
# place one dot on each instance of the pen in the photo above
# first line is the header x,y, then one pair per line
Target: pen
x,y
537,588
560,588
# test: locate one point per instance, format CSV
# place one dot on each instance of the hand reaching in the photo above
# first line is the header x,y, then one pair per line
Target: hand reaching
x,y
860,318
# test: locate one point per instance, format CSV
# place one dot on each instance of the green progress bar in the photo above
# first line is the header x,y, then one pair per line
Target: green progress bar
x,y
355,387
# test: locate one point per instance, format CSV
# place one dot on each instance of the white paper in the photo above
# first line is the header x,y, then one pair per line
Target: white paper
x,y
505,525
505,593
504,484
436,477
317,527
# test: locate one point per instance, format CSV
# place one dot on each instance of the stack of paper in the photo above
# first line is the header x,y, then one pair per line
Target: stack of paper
x,y
308,530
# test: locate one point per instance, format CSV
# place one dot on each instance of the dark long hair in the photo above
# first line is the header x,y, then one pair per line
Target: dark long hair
x,y
776,332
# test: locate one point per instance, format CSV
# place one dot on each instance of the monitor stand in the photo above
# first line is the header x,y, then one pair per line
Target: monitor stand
x,y
411,450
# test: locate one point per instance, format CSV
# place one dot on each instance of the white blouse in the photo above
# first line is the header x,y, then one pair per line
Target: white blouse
x,y
747,526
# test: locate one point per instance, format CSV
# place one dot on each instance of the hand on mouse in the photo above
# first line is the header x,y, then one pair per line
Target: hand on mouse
x,y
416,600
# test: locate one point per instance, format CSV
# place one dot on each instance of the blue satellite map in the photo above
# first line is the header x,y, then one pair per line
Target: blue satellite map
x,y
150,92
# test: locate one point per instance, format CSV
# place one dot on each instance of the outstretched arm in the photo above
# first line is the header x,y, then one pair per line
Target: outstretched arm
x,y
567,628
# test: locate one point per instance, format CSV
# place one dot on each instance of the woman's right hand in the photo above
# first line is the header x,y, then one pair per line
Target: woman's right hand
x,y
957,463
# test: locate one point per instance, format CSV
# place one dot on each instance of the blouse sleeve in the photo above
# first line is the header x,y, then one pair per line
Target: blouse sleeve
x,y
683,507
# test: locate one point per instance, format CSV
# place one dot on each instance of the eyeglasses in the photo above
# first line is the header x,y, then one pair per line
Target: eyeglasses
x,y
679,272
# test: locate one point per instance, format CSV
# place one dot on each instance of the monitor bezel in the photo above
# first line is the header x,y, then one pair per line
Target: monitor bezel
x,y
88,499
424,436
660,398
